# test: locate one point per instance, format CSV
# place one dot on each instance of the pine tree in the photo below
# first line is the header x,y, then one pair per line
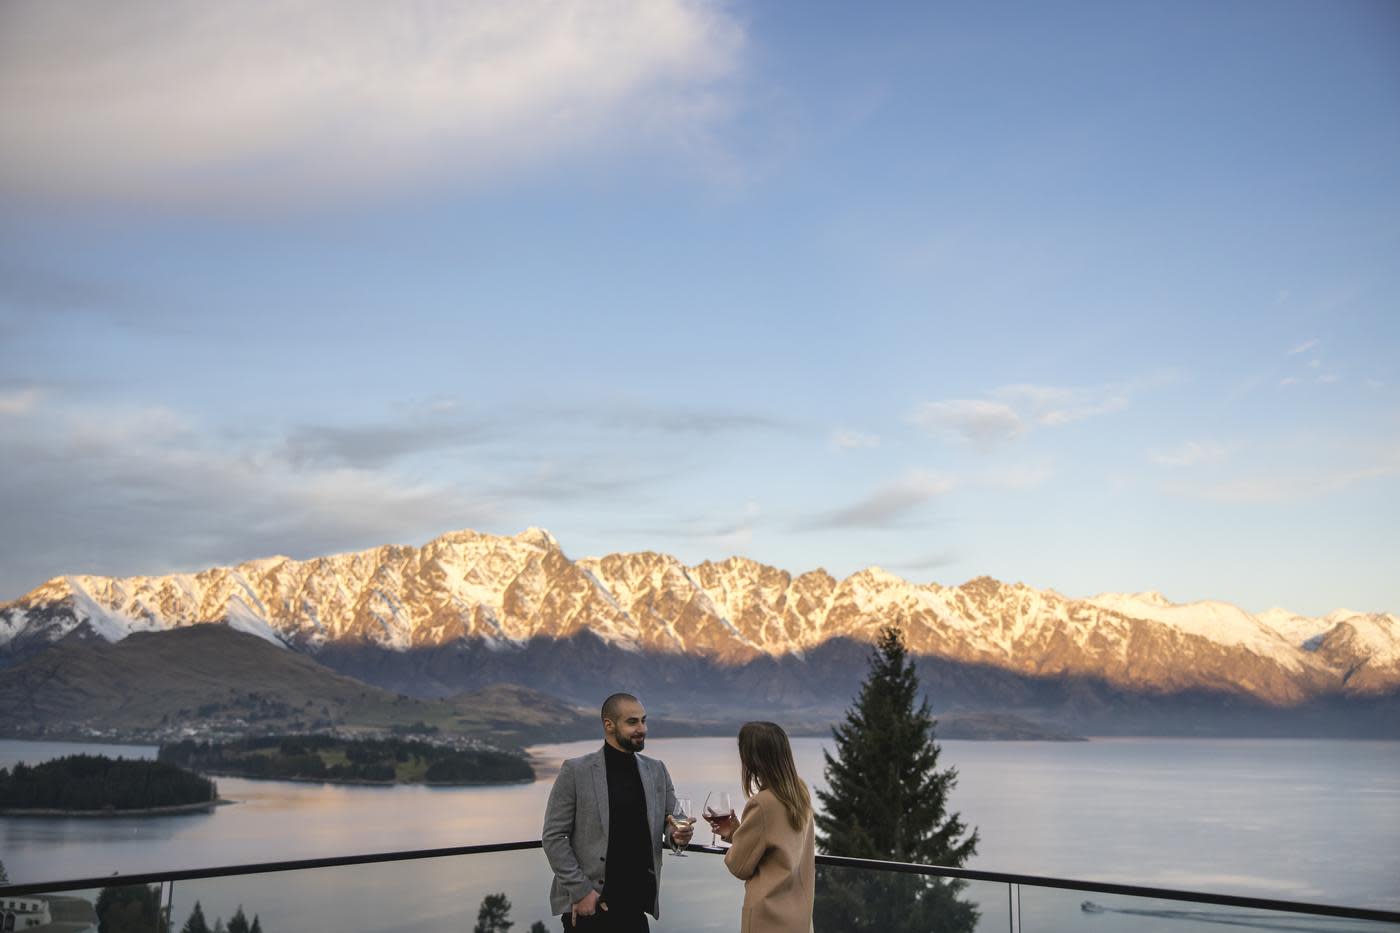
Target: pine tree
x,y
4,878
494,915
196,923
888,800
128,909
538,927
238,923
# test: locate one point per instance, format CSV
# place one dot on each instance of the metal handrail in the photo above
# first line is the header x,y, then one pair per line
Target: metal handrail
x,y
1107,887
833,861
263,868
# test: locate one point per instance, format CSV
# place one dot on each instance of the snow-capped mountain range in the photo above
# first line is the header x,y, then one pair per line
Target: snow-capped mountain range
x,y
507,592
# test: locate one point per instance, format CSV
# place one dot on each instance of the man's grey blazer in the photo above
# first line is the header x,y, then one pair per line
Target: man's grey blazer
x,y
575,833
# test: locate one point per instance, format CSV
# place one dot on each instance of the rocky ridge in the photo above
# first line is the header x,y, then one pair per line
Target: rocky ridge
x,y
505,592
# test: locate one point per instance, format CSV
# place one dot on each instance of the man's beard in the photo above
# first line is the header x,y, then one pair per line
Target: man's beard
x,y
634,744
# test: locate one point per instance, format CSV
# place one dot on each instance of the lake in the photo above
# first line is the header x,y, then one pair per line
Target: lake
x,y
1307,820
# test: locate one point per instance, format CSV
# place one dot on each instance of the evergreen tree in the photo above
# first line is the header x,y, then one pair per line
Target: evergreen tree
x,y
538,927
238,923
494,915
257,925
888,800
128,909
196,923
95,782
4,878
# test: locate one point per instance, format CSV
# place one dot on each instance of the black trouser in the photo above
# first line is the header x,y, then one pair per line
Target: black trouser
x,y
616,920
626,912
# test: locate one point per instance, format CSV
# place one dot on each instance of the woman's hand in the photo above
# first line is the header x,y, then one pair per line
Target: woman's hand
x,y
724,827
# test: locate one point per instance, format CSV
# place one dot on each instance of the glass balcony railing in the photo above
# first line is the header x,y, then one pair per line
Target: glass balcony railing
x,y
439,890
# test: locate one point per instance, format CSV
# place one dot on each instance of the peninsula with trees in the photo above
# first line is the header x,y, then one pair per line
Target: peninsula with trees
x,y
95,785
334,759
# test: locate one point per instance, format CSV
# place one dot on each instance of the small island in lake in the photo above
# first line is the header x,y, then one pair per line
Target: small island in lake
x,y
349,761
95,785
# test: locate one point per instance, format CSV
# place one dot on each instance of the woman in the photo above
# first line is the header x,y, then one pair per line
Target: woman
x,y
774,849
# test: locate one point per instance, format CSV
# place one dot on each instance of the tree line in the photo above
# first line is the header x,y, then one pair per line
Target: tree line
x,y
96,782
304,757
493,916
136,908
238,923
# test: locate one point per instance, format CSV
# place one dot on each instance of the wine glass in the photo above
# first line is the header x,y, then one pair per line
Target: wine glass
x,y
718,808
681,818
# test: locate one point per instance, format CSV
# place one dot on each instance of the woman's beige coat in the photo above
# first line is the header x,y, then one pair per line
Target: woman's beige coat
x,y
778,865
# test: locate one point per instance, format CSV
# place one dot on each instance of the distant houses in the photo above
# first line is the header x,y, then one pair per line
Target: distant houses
x,y
41,913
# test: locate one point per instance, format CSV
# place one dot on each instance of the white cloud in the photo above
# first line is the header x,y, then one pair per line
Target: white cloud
x,y
853,440
1191,453
737,535
731,534
1319,379
327,99
1013,409
1053,406
376,444
734,541
145,490
1303,347
114,489
983,423
1281,486
933,561
1026,476
890,503
20,401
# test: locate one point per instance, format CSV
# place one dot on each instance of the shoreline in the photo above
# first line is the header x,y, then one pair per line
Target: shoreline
x,y
352,782
174,809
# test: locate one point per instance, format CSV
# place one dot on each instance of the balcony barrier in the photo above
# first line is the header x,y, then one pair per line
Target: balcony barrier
x,y
431,890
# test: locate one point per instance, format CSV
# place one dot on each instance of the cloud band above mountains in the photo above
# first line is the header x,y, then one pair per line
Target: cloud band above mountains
x,y
273,102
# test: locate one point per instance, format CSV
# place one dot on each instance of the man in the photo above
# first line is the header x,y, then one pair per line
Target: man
x,y
603,828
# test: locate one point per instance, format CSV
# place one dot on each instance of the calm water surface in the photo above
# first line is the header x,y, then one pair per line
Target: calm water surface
x,y
1292,819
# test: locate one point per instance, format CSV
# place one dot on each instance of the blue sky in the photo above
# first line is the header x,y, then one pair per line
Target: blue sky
x,y
1096,296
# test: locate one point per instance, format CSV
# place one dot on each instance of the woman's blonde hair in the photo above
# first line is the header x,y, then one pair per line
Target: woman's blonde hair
x,y
765,760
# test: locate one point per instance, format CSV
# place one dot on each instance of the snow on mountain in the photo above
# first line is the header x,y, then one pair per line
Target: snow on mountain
x,y
1376,635
102,603
1297,630
242,618
12,622
1365,647
1219,622
767,608
505,591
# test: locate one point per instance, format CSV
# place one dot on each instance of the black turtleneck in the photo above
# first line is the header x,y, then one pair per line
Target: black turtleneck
x,y
631,878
